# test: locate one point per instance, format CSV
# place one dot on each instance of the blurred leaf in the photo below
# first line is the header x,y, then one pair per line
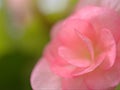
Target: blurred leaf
x,y
5,41
35,37
12,67
118,87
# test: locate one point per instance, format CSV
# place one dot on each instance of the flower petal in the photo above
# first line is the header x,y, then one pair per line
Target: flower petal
x,y
107,78
43,78
84,3
72,58
56,29
104,79
76,83
91,68
82,57
57,64
100,18
108,43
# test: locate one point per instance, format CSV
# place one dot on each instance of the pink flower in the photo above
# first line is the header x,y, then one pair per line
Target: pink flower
x,y
83,54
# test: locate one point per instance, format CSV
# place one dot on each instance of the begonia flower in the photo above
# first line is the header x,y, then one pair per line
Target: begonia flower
x,y
83,54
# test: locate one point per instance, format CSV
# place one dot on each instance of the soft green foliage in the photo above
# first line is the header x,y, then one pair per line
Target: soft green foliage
x,y
5,41
34,38
21,47
118,87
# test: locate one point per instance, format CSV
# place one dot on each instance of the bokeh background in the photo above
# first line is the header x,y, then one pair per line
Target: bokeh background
x,y
24,31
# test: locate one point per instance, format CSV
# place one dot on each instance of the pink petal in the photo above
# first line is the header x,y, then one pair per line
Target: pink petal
x,y
51,52
57,64
72,58
63,71
104,79
109,46
56,29
88,43
107,41
43,78
76,83
100,18
84,3
69,35
77,57
92,67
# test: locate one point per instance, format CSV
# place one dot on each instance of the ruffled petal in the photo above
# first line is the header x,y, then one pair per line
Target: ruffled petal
x,y
71,27
43,78
91,68
105,79
80,57
73,58
57,64
108,44
100,18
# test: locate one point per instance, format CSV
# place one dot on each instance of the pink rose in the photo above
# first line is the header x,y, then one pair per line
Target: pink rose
x,y
83,54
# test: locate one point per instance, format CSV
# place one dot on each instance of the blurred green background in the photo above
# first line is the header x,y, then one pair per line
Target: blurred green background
x,y
24,31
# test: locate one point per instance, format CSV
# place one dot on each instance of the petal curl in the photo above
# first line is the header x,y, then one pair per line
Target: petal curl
x,y
104,79
100,18
107,78
43,78
109,46
57,64
73,58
